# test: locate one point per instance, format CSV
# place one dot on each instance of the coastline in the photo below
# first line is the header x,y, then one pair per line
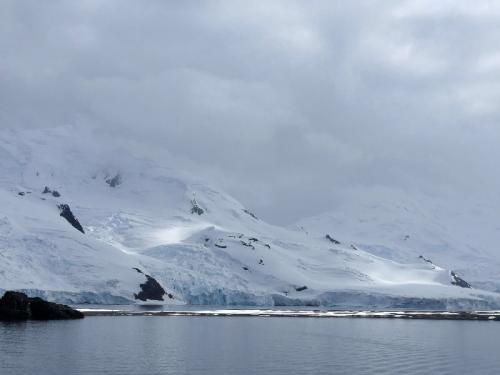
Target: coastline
x,y
430,315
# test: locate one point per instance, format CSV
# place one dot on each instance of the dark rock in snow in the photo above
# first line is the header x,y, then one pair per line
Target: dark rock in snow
x,y
354,247
17,306
68,215
459,281
151,289
196,209
220,246
115,181
250,213
21,193
261,262
425,259
54,193
300,289
428,261
253,239
267,245
248,244
331,239
245,268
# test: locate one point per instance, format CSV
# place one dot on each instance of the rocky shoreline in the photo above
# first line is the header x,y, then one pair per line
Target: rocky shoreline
x,y
18,306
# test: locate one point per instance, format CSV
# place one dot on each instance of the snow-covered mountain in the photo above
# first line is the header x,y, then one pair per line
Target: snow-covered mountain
x,y
457,233
82,220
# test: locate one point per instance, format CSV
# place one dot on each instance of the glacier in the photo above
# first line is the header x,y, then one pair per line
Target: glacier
x,y
201,245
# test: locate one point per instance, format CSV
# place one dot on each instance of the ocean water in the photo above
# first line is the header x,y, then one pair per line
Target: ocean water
x,y
249,345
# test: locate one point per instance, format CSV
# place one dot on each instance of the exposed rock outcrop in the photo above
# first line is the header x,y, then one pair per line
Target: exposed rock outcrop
x,y
14,306
247,244
425,259
151,289
17,306
68,215
248,212
114,181
332,240
54,193
458,281
196,209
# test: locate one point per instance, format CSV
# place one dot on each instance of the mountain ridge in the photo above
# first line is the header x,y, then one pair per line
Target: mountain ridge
x,y
199,244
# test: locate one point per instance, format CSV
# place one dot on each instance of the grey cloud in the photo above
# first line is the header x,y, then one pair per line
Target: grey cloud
x,y
288,102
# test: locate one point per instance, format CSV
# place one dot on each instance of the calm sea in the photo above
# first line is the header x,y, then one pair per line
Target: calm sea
x,y
249,345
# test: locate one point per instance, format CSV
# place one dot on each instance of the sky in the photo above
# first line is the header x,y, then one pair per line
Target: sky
x,y
283,104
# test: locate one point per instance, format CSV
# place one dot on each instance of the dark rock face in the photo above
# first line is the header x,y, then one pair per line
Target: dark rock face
x,y
43,310
425,259
300,289
54,193
250,213
14,306
17,306
68,215
115,181
151,289
196,209
459,281
331,239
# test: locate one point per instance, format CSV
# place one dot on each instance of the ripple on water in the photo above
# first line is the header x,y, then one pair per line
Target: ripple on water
x,y
246,345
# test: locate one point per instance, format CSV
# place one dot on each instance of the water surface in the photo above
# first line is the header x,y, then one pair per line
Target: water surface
x,y
249,345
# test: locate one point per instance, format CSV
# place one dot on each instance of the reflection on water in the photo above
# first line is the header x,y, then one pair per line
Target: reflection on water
x,y
240,345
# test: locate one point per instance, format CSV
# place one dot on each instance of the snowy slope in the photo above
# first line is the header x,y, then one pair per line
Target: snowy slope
x,y
200,244
456,233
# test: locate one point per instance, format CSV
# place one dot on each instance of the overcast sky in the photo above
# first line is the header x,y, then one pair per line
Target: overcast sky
x,y
281,103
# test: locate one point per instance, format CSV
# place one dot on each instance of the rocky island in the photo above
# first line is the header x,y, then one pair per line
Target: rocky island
x,y
18,306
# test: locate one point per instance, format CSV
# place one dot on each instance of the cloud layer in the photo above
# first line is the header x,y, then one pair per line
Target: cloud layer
x,y
282,103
